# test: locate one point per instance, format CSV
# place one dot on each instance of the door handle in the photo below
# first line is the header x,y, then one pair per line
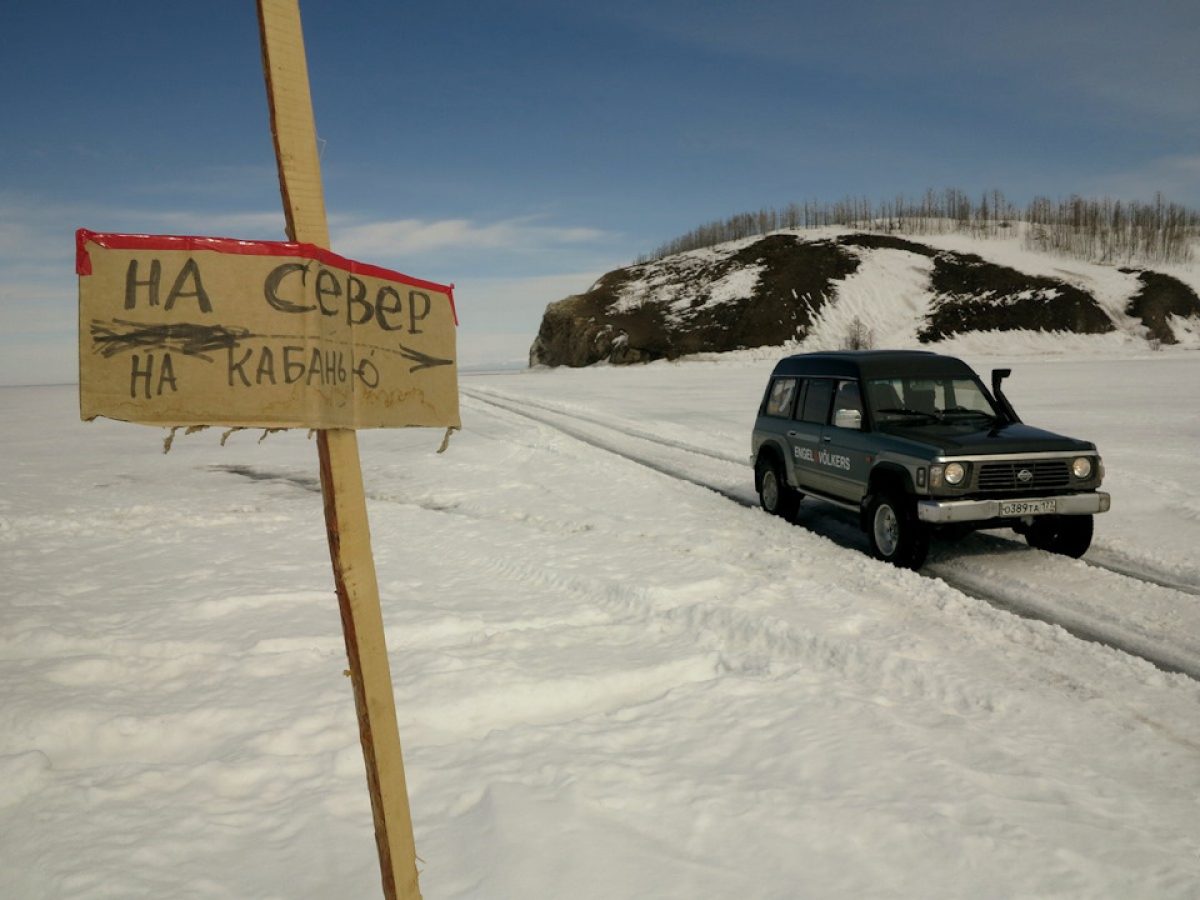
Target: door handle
x,y
793,434
826,439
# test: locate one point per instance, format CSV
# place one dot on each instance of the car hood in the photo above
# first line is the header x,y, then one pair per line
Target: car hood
x,y
1015,437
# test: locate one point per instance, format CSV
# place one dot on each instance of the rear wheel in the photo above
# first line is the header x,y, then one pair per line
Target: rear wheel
x,y
1066,535
774,493
896,534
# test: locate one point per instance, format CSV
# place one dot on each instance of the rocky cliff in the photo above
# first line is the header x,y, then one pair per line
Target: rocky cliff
x,y
786,287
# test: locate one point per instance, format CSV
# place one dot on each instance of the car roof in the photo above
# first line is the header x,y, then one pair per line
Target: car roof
x,y
872,364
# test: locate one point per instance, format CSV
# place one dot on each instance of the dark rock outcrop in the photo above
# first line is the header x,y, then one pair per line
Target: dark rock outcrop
x,y
762,294
1160,298
876,241
973,295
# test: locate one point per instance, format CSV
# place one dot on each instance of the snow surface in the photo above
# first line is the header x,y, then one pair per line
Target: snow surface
x,y
610,681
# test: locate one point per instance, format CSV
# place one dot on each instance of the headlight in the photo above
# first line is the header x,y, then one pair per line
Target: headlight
x,y
1081,467
955,473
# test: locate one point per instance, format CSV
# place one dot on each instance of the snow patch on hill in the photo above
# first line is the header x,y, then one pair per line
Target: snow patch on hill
x,y
736,285
888,294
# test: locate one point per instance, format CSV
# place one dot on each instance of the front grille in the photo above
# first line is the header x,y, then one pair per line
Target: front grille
x,y
1005,476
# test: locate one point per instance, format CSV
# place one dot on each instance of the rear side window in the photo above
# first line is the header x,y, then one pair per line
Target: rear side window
x,y
783,394
816,401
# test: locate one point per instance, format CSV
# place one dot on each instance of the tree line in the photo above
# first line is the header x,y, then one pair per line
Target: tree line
x,y
1109,231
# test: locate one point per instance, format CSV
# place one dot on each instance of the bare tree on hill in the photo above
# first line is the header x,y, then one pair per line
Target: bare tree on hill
x,y
1108,231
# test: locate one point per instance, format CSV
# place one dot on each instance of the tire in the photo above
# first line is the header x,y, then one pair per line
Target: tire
x,y
1065,535
775,495
896,534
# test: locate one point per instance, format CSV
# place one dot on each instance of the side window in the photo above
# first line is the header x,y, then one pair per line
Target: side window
x,y
801,393
847,406
816,401
779,401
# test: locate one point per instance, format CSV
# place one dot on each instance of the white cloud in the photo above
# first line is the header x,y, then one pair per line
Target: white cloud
x,y
24,242
506,305
409,237
269,226
29,232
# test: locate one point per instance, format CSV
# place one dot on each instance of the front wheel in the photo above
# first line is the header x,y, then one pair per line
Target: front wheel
x,y
896,534
1064,535
774,493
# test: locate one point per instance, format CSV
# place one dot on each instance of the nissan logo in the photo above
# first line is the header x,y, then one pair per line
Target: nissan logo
x,y
1024,476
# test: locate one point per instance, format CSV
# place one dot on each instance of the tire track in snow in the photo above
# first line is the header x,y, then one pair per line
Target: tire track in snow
x,y
1103,559
1154,649
517,407
498,398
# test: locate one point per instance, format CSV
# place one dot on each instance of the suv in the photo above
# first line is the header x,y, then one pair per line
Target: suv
x,y
913,442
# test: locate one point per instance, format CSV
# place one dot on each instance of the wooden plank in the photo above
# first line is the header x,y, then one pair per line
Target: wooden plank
x,y
370,672
341,474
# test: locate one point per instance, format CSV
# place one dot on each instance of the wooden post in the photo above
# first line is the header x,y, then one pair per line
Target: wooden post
x,y
341,474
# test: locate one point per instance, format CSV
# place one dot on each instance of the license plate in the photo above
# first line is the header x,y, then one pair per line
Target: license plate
x,y
1027,507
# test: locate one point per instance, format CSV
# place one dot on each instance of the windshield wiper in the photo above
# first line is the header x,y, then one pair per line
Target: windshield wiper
x,y
962,412
908,412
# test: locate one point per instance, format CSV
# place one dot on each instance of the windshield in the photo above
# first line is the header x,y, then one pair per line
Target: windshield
x,y
926,401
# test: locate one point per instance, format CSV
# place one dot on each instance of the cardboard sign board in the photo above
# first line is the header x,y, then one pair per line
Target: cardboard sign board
x,y
216,331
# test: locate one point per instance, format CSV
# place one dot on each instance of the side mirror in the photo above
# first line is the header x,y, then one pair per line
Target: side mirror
x,y
848,418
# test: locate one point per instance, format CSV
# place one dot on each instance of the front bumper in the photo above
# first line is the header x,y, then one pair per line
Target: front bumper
x,y
943,512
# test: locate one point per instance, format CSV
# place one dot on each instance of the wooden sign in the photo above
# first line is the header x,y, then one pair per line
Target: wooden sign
x,y
215,331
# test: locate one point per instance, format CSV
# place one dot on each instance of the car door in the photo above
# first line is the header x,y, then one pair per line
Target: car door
x,y
845,451
775,416
804,434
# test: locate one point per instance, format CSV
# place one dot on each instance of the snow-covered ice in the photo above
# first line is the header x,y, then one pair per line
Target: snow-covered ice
x,y
610,682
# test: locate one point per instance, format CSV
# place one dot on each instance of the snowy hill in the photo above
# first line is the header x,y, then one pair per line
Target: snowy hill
x,y
812,290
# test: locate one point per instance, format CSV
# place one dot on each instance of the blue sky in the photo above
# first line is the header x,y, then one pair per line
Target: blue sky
x,y
521,149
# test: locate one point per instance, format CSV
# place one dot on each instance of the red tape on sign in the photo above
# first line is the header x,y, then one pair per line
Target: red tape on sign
x,y
114,241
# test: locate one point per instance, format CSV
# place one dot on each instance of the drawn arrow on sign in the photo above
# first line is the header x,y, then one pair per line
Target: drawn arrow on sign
x,y
190,339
